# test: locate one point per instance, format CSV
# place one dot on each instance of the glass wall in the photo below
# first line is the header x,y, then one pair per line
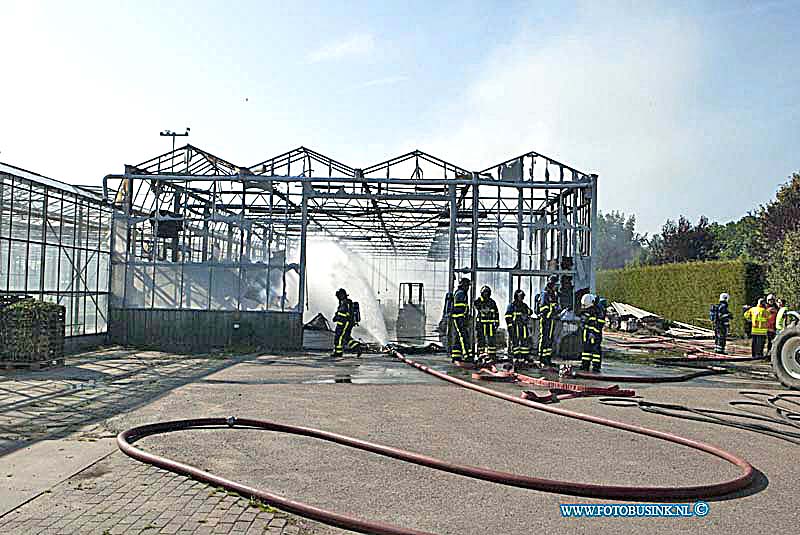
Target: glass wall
x,y
55,245
226,268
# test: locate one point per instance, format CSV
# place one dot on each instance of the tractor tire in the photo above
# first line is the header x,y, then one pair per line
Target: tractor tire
x,y
786,357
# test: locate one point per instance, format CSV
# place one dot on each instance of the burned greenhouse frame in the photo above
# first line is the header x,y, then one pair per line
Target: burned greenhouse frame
x,y
195,234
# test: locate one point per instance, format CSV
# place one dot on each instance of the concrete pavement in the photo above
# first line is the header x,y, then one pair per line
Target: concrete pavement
x,y
384,401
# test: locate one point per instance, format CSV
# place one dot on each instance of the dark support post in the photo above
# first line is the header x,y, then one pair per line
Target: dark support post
x,y
592,226
474,253
176,210
451,264
303,236
206,214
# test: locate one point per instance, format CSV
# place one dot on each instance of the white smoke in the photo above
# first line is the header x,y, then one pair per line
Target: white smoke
x,y
330,267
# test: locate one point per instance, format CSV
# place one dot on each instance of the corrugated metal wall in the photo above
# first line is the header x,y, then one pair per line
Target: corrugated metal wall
x,y
200,330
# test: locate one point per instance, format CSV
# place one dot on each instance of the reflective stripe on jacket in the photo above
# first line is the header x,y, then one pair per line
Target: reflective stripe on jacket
x,y
344,312
548,303
460,304
591,321
518,313
486,310
758,317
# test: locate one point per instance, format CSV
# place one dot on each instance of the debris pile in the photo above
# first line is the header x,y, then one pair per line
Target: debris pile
x,y
689,340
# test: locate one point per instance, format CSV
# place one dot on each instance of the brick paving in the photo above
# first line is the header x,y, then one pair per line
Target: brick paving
x,y
118,495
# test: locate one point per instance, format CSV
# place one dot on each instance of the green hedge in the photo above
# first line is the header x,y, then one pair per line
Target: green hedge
x,y
684,292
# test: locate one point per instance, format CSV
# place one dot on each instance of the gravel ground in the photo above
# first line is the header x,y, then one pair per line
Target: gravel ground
x,y
457,425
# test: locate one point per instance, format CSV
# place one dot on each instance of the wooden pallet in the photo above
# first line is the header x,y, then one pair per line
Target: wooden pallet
x,y
30,366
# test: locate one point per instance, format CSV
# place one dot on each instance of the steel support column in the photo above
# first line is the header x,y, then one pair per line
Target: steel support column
x,y
592,240
474,253
303,235
451,264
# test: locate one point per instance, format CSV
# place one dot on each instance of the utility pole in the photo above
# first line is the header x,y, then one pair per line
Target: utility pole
x,y
173,135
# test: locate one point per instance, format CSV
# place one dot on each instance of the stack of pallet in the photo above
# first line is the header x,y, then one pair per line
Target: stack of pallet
x,y
31,334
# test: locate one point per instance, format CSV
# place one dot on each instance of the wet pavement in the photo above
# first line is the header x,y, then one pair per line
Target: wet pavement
x,y
96,385
385,369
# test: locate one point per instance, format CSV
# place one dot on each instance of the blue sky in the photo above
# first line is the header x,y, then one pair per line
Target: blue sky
x,y
681,107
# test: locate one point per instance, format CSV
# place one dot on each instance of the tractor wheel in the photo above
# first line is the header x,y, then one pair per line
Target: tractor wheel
x,y
786,357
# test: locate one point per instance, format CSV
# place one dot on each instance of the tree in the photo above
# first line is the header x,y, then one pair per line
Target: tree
x,y
784,272
737,239
617,243
779,217
681,242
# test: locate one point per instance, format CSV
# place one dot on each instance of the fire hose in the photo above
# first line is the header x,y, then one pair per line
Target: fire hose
x,y
754,421
706,371
126,440
711,370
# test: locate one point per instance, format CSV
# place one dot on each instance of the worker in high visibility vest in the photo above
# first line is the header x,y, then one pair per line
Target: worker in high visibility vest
x,y
758,316
780,320
487,320
346,318
460,317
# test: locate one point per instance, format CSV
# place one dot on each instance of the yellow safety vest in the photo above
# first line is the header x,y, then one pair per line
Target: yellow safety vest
x,y
780,321
759,317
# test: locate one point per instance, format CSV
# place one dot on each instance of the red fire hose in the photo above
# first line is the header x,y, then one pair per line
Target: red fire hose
x,y
711,370
126,439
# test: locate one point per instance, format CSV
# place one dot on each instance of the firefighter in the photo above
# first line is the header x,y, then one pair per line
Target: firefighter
x,y
721,318
547,310
346,318
518,315
487,320
591,332
772,308
461,344
602,307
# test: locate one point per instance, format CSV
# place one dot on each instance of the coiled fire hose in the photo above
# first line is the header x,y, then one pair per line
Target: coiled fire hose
x,y
126,439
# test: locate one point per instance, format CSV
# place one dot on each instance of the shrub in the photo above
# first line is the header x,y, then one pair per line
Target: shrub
x,y
684,292
784,271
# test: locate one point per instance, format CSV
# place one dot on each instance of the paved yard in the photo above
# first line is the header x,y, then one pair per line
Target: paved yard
x,y
58,417
120,495
378,399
